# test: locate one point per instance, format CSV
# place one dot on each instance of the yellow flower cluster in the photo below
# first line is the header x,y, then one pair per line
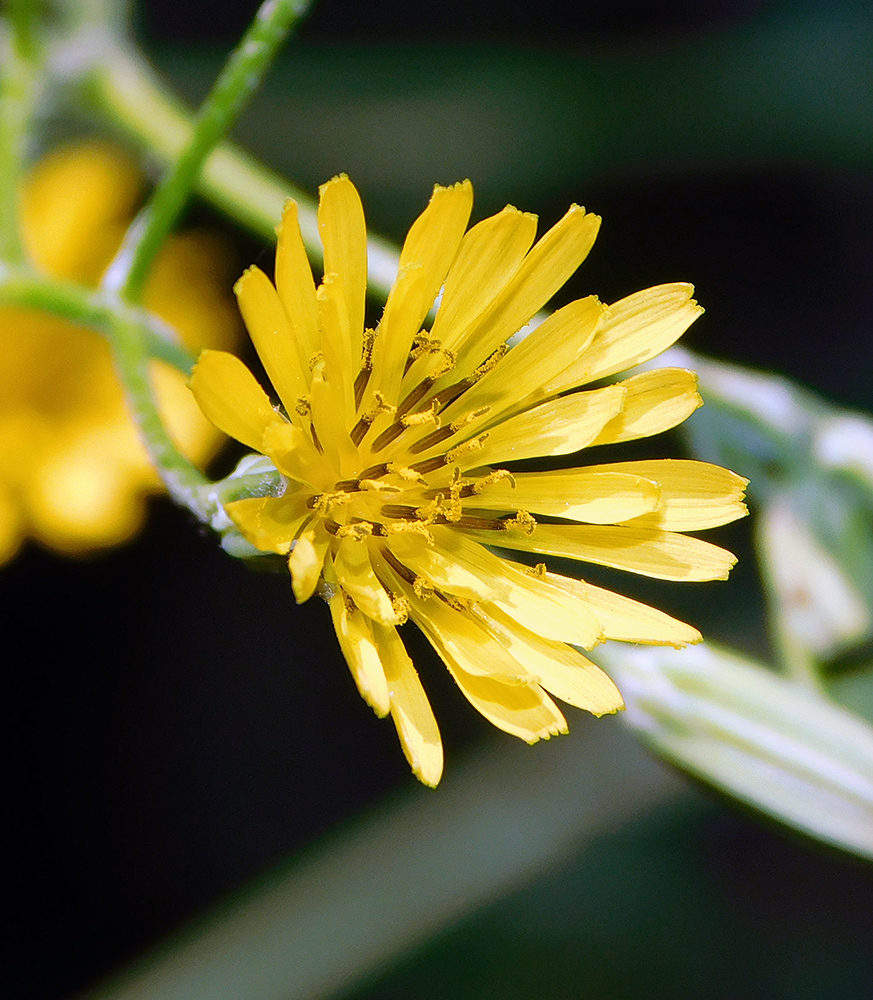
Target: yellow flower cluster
x,y
394,446
73,473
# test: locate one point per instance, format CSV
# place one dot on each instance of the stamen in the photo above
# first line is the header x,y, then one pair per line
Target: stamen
x,y
465,448
367,349
359,530
348,486
454,602
377,486
325,503
315,440
408,528
414,396
497,476
363,424
375,471
398,512
468,418
430,464
401,607
440,510
522,521
445,366
406,474
451,392
421,417
423,344
359,431
430,440
481,523
388,435
404,572
363,377
490,362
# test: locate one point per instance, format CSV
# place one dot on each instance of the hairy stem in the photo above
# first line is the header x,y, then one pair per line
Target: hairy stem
x,y
239,79
126,90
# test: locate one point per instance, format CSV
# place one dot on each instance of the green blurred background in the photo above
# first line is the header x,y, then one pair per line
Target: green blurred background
x,y
211,728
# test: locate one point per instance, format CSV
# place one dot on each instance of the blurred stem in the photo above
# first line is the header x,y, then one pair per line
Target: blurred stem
x,y
124,88
31,290
135,336
19,79
185,483
363,898
102,15
239,79
794,658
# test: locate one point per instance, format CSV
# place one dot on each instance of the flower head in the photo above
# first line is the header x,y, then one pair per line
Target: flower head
x,y
73,473
394,446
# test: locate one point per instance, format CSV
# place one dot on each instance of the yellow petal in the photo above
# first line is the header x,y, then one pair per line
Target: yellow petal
x,y
294,454
664,555
693,495
344,237
273,337
522,710
493,681
331,409
307,559
270,523
489,256
428,251
628,620
341,362
597,496
631,331
361,653
560,669
410,709
463,641
230,397
542,272
558,427
295,284
452,563
537,605
655,402
519,376
355,572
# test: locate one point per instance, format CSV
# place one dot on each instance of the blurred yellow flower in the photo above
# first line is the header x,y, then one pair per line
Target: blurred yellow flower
x,y
393,445
73,473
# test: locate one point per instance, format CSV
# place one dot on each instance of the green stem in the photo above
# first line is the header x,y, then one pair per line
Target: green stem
x,y
31,290
125,89
236,83
19,78
135,336
185,483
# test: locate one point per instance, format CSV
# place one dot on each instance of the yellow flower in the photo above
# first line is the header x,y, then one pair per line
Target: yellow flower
x,y
393,445
73,473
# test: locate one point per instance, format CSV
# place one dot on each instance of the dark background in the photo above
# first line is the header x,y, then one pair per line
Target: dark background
x,y
184,725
